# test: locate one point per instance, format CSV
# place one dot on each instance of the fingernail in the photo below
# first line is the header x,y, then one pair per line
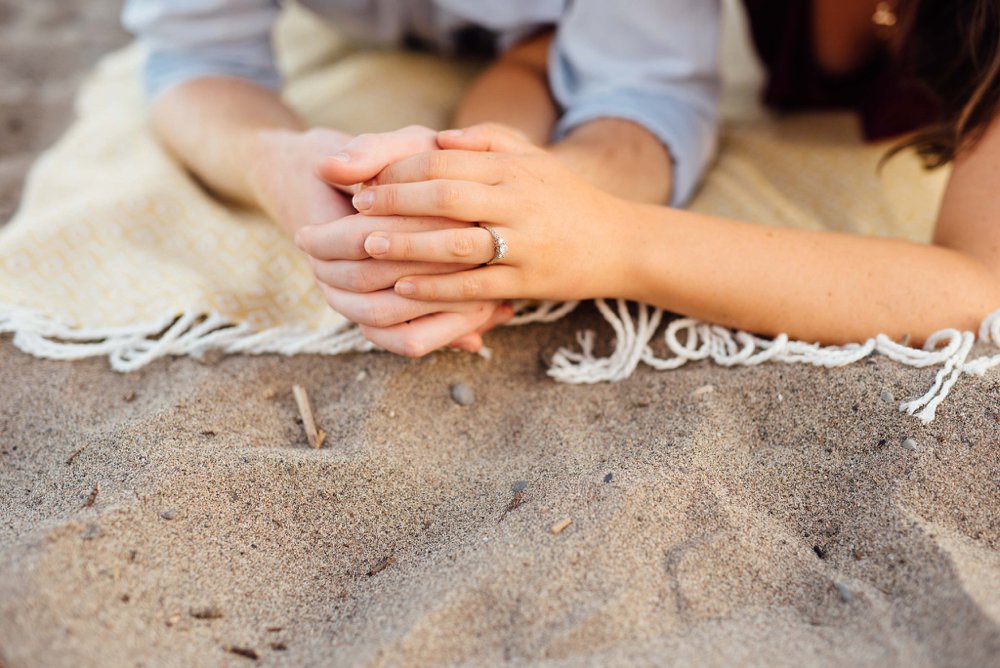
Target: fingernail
x,y
405,288
376,245
341,157
364,200
452,133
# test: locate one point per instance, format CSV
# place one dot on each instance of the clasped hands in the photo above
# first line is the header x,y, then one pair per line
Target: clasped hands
x,y
408,267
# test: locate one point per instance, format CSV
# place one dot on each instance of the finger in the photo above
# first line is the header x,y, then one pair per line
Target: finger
x,y
384,308
473,341
427,334
344,239
493,282
470,343
487,137
503,314
370,275
462,165
368,154
470,245
458,200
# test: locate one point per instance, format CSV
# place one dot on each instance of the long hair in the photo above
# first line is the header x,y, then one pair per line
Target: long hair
x,y
953,48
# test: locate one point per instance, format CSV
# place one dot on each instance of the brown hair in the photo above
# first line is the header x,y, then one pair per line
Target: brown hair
x,y
953,47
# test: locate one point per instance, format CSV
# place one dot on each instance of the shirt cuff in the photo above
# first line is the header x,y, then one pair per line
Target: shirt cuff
x,y
689,135
165,69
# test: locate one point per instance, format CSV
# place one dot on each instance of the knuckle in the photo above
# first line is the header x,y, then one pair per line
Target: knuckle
x,y
446,196
374,316
470,287
426,290
404,246
419,133
435,165
331,300
362,141
386,198
301,238
413,347
460,245
359,278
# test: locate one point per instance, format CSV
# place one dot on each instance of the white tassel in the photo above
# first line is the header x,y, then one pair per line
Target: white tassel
x,y
688,340
130,348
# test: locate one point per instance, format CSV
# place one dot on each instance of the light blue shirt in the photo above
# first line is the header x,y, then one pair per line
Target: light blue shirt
x,y
653,62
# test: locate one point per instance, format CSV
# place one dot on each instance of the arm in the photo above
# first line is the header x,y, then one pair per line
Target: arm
x,y
243,142
514,91
815,286
637,87
835,287
212,81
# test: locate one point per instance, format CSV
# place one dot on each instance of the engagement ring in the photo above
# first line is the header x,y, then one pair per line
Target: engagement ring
x,y
499,245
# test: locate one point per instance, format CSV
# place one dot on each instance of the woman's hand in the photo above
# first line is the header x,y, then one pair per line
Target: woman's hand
x,y
360,288
562,243
363,157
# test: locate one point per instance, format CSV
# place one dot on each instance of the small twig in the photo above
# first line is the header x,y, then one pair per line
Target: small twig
x,y
560,525
247,652
209,612
315,436
76,453
381,566
93,495
515,503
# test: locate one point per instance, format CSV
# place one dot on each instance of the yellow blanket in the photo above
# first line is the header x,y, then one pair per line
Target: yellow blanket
x,y
116,251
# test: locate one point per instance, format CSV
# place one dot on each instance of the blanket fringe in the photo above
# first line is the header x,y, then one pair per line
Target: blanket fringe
x,y
691,340
132,347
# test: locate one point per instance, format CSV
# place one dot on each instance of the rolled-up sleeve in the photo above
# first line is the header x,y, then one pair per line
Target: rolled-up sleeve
x,y
652,62
192,39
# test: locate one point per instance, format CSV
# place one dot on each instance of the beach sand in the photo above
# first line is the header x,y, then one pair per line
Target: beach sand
x,y
765,516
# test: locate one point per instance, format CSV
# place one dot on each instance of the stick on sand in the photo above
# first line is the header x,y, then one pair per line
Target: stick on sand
x,y
315,436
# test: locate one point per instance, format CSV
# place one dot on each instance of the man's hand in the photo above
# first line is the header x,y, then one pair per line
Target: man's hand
x,y
362,158
284,180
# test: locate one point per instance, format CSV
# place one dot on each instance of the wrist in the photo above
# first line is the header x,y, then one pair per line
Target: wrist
x,y
616,244
639,255
256,152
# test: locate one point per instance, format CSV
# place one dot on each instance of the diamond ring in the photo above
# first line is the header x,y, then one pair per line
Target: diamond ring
x,y
499,245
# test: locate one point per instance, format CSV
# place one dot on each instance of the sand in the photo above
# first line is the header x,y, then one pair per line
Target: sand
x,y
766,516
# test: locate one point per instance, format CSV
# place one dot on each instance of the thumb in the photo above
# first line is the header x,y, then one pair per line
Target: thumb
x,y
487,137
366,155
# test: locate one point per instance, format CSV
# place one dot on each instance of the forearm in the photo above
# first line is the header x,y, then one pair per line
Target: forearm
x,y
621,158
616,155
512,94
514,91
213,126
815,286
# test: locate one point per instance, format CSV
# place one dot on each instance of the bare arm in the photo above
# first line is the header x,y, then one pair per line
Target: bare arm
x,y
816,286
836,287
514,91
212,124
243,142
